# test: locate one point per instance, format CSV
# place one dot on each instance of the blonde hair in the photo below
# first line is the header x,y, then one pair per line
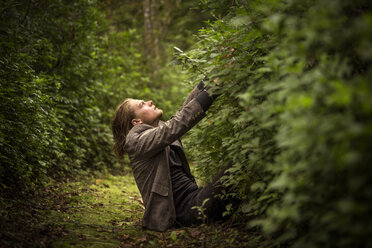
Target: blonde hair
x,y
121,124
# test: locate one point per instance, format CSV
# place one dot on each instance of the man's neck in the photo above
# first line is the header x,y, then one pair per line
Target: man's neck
x,y
155,123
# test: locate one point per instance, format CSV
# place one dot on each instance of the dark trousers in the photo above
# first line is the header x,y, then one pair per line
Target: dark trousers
x,y
213,207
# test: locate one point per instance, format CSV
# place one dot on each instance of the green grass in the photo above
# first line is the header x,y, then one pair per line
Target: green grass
x,y
102,211
97,212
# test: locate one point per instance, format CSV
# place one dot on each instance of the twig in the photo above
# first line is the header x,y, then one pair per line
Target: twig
x,y
189,59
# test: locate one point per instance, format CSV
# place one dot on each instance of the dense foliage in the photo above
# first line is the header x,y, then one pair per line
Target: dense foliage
x,y
295,116
50,123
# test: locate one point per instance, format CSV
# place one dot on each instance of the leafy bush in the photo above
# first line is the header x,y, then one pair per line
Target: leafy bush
x,y
50,122
294,116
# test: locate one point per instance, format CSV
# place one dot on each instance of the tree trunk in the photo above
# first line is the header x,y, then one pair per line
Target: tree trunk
x,y
148,27
157,17
149,41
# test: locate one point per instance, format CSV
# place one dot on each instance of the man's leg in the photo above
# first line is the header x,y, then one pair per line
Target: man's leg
x,y
215,206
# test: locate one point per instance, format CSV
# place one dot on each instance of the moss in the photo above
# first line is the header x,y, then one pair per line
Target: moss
x,y
97,211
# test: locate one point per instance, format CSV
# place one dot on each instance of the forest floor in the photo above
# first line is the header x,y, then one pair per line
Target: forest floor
x,y
105,211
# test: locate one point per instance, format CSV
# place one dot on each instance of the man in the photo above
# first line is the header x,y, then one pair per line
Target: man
x,y
159,164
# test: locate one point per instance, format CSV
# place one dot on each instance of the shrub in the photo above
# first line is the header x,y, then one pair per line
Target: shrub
x,y
50,124
294,116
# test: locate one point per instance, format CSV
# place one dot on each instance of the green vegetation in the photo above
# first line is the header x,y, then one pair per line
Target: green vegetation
x,y
50,122
97,212
102,210
294,116
64,70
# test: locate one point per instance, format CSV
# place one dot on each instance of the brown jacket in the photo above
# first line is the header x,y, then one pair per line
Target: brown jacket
x,y
148,150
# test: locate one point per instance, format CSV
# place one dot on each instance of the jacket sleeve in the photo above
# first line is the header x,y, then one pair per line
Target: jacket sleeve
x,y
152,140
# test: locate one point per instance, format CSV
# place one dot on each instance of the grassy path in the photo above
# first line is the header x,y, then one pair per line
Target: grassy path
x,y
98,212
106,211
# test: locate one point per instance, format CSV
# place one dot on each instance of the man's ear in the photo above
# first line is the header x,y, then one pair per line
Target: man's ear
x,y
136,122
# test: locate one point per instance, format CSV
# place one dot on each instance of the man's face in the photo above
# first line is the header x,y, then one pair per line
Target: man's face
x,y
145,112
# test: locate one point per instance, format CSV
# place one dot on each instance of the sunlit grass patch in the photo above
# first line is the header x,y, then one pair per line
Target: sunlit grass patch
x,y
97,210
106,211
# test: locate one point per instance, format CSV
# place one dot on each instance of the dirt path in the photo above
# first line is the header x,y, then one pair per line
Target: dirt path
x,y
106,211
97,212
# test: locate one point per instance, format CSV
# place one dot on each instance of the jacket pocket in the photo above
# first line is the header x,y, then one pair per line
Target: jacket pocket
x,y
160,189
